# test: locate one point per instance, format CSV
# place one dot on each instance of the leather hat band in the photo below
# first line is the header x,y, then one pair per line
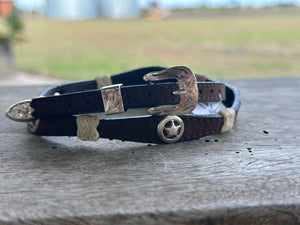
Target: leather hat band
x,y
169,95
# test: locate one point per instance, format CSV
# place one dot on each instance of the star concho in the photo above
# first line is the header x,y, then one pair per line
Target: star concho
x,y
170,129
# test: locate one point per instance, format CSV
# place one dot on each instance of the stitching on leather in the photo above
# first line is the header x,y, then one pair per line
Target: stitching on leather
x,y
214,96
211,85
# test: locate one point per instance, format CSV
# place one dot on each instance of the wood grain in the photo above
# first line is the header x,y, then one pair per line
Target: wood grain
x,y
250,175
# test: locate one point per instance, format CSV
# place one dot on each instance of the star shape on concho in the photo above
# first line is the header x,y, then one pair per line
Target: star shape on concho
x,y
173,130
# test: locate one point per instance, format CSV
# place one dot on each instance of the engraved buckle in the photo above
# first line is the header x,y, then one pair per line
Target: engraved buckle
x,y
188,90
112,99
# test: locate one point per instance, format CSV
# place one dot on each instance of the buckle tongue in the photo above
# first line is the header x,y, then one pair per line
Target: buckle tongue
x,y
188,90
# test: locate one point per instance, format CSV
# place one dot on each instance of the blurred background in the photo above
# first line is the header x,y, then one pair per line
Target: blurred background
x,y
81,39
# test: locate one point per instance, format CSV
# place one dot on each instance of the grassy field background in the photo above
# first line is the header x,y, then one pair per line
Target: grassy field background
x,y
221,47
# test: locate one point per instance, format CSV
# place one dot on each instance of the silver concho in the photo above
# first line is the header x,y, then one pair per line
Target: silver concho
x,y
21,111
170,129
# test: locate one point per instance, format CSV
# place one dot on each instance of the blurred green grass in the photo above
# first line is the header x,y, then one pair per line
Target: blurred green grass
x,y
220,47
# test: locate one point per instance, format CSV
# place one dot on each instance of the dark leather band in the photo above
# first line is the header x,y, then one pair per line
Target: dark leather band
x,y
138,128
83,97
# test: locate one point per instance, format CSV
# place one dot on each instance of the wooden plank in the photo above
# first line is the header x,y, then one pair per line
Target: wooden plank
x,y
250,175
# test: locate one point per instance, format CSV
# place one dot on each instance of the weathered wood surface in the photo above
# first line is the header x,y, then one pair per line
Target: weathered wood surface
x,y
250,175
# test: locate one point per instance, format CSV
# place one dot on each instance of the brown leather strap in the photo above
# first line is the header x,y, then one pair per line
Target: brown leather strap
x,y
141,129
137,96
137,128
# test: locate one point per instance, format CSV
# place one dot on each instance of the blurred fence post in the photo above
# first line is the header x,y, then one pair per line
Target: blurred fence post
x,y
7,66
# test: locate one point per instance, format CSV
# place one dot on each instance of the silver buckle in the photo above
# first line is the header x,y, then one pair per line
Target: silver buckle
x,y
188,90
112,99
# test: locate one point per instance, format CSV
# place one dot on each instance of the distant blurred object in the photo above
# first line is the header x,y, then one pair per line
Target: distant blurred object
x,y
90,9
7,65
119,9
11,27
71,10
10,31
155,13
6,7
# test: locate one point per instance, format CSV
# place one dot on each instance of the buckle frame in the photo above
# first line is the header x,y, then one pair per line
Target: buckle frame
x,y
188,90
